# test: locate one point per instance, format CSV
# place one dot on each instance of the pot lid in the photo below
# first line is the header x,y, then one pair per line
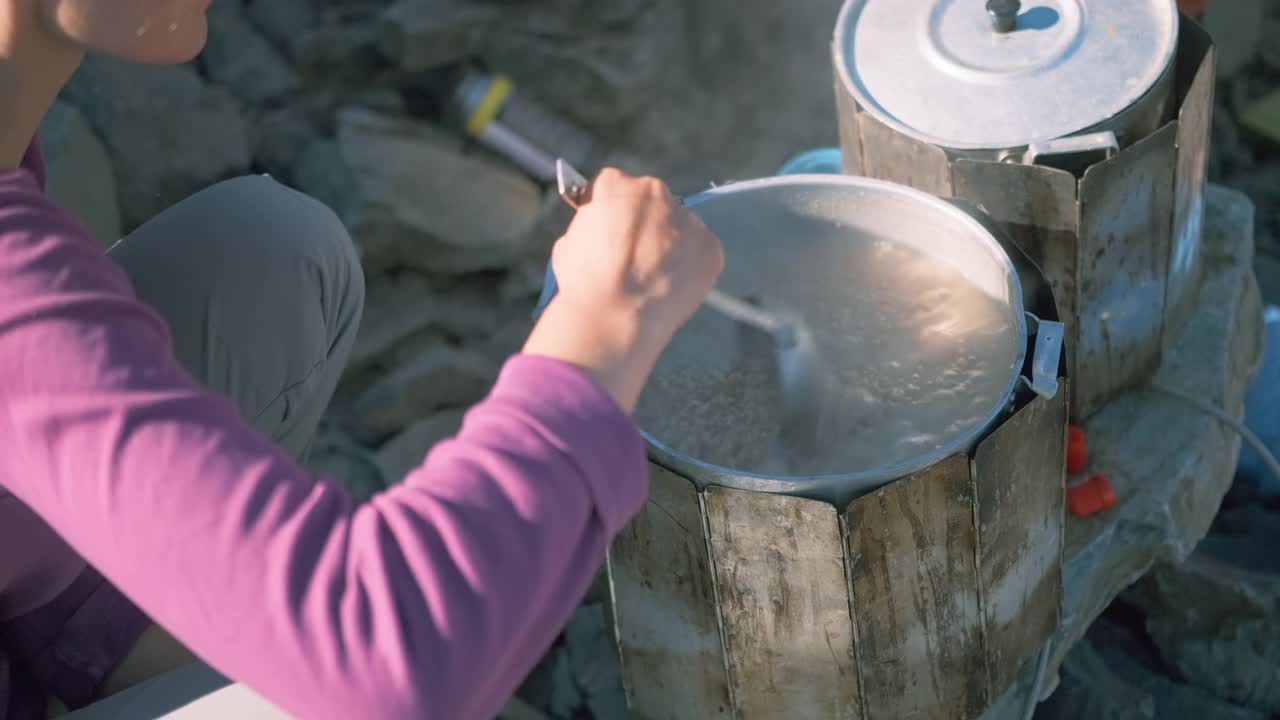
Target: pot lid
x,y
997,74
916,311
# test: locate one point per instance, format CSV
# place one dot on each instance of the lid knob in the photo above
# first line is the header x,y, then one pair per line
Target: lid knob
x,y
1004,14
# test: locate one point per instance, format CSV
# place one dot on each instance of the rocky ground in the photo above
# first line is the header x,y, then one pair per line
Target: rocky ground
x,y
332,96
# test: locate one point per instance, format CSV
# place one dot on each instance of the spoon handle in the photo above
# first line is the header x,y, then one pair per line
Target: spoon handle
x,y
576,191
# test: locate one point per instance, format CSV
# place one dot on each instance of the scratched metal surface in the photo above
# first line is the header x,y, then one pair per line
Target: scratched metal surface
x,y
668,631
784,605
912,546
1196,70
1126,214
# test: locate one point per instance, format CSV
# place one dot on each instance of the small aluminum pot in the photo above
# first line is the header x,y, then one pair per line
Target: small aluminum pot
x,y
1011,82
789,240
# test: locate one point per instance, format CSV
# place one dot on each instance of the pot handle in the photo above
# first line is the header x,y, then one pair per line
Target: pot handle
x,y
1045,355
1099,143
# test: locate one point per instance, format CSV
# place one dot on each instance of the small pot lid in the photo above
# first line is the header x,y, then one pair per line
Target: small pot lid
x,y
997,74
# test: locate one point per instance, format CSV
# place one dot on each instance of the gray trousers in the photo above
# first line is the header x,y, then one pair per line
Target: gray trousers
x,y
262,289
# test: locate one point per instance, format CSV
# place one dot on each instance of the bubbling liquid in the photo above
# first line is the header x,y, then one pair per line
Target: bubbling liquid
x,y
916,355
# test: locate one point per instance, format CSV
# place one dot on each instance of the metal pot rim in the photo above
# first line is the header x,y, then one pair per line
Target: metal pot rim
x,y
844,487
846,22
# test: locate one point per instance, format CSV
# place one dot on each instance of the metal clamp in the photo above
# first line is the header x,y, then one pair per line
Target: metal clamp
x,y
1104,145
1045,355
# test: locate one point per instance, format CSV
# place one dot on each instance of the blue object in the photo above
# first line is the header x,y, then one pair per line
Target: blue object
x,y
1262,411
822,161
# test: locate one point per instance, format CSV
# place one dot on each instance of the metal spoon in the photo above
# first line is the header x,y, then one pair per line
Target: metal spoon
x,y
802,377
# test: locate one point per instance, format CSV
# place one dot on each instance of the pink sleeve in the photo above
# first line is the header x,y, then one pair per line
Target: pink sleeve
x,y
433,600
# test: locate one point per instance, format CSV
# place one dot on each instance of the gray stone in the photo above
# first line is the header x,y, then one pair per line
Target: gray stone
x,y
1270,51
1247,538
419,202
413,347
1102,682
566,698
1238,26
168,133
609,60
242,59
345,52
422,34
282,20
336,457
1170,464
321,172
596,671
396,307
468,311
406,451
524,280
508,339
1219,625
80,176
279,136
440,379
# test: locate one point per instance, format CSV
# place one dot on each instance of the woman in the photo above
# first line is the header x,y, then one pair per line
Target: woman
x,y
153,402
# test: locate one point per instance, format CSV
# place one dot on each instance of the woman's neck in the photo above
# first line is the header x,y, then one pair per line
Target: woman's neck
x,y
34,65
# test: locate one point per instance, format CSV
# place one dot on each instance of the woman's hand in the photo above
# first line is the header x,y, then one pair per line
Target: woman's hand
x,y
633,267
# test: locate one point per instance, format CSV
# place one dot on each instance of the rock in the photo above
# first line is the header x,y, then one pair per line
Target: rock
x,y
345,52
413,347
336,457
320,172
1230,153
406,451
423,34
242,59
1242,22
279,136
467,311
508,339
609,59
1219,625
282,20
566,698
1171,464
396,307
1270,51
538,686
1246,537
441,378
168,133
419,202
1262,184
1102,682
80,176
594,663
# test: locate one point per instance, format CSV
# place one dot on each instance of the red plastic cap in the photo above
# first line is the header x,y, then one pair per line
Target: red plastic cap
x,y
1094,495
1077,450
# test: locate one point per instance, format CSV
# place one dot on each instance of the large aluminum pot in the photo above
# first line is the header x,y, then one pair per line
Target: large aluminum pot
x,y
1010,81
918,311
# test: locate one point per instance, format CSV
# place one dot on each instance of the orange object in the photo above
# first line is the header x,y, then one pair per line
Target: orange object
x,y
1193,8
1077,449
1093,495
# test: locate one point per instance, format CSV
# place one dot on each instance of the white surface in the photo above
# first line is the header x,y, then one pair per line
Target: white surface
x,y
938,71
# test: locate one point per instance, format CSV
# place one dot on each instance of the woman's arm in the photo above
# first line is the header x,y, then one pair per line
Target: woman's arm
x,y
432,600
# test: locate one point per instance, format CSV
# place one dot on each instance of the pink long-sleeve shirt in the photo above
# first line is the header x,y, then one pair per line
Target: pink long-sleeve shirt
x,y
432,600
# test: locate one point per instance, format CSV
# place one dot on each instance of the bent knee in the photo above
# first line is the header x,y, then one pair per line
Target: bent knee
x,y
272,223
279,215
